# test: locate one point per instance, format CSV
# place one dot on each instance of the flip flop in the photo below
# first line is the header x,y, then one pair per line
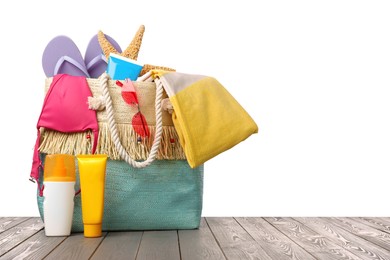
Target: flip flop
x,y
62,56
95,60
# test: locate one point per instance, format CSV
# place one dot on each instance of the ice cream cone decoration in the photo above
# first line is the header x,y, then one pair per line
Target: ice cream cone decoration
x,y
131,51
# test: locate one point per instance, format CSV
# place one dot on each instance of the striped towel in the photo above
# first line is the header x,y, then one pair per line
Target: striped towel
x,y
206,116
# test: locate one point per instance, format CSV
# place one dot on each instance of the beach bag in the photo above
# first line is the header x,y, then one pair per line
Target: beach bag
x,y
149,183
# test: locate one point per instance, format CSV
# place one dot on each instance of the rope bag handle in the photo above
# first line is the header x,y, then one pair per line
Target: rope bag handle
x,y
114,131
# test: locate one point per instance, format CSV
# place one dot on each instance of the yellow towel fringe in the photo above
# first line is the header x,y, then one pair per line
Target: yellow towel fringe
x,y
53,142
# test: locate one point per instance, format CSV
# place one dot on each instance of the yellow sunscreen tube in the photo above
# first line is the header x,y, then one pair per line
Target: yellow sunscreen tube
x,y
92,170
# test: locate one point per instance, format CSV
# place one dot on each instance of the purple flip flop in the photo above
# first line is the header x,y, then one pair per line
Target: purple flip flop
x,y
62,56
94,58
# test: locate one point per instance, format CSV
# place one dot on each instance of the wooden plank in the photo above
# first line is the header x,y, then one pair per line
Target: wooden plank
x,y
118,245
199,244
234,241
276,244
382,224
360,247
76,246
36,247
217,238
9,222
162,245
17,234
316,244
373,235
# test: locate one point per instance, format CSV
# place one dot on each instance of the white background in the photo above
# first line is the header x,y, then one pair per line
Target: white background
x,y
314,75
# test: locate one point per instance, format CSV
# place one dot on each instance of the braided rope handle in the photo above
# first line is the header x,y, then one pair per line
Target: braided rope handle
x,y
114,132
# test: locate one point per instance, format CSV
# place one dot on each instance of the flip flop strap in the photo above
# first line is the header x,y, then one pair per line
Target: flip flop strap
x,y
71,61
95,60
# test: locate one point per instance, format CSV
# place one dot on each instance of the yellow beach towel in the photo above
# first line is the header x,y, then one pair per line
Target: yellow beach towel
x,y
206,116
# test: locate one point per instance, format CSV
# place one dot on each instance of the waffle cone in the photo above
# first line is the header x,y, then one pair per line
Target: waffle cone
x,y
132,50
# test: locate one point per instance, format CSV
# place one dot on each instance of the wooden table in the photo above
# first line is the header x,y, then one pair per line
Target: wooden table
x,y
217,238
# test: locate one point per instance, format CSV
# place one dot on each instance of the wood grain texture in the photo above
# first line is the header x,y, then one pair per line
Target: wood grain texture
x,y
275,243
76,246
217,238
358,246
36,247
382,224
373,235
161,245
9,222
17,234
234,241
199,244
119,245
315,243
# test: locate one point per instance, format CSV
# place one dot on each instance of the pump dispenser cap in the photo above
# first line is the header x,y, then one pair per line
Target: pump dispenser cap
x,y
59,168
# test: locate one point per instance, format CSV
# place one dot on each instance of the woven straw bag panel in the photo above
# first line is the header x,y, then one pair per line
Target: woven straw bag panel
x,y
76,143
146,93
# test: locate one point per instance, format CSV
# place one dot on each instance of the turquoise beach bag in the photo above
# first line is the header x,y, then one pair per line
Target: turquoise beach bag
x,y
165,195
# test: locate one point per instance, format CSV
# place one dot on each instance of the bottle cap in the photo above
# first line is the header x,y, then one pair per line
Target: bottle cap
x,y
92,230
59,168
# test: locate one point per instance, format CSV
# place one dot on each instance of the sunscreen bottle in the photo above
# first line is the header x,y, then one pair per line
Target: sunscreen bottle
x,y
92,170
59,178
